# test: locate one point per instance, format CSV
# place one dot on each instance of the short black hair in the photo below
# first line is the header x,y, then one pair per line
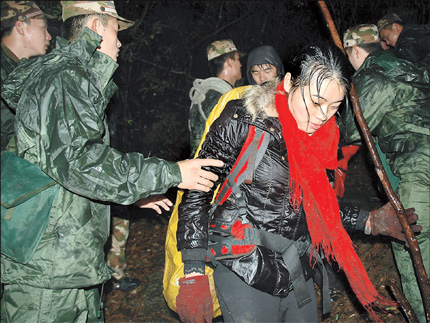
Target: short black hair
x,y
369,47
216,65
73,26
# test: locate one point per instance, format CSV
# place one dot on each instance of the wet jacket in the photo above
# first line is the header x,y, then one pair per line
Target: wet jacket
x,y
266,200
204,95
60,100
8,62
413,44
394,95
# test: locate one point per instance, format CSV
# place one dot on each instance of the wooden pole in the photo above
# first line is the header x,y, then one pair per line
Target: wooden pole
x,y
410,236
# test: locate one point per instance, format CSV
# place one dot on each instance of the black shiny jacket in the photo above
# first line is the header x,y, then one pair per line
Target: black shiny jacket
x,y
413,44
267,201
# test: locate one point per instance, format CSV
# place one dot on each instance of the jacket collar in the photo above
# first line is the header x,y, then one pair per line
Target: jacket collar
x,y
85,48
9,54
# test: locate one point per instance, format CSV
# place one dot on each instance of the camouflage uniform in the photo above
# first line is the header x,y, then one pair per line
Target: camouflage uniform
x,y
120,232
204,94
8,62
394,96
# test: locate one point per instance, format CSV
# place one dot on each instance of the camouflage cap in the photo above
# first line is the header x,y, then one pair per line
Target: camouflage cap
x,y
388,20
360,34
220,47
12,11
77,8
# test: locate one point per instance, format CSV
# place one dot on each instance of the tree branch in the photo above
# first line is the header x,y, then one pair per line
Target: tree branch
x,y
166,69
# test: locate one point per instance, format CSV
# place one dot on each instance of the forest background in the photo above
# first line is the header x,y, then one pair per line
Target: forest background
x,y
165,51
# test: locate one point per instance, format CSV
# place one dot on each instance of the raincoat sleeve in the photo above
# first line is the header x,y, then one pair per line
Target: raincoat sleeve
x,y
72,149
374,96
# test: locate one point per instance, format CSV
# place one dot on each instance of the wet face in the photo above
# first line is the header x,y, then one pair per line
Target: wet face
x,y
36,37
110,44
263,73
389,36
313,110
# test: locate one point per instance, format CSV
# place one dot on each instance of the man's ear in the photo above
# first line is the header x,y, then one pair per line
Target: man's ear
x,y
228,62
355,51
94,24
19,27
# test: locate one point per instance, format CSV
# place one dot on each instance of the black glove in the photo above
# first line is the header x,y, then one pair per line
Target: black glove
x,y
386,222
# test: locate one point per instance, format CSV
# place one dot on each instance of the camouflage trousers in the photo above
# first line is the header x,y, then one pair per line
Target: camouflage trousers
x,y
415,192
116,255
80,305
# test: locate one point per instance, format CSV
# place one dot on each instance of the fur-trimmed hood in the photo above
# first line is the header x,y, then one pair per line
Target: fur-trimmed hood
x,y
257,97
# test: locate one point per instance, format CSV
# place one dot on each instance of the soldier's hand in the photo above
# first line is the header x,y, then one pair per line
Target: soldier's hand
x,y
196,178
386,222
155,202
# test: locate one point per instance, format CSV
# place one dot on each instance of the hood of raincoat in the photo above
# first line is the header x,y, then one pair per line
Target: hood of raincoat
x,y
264,55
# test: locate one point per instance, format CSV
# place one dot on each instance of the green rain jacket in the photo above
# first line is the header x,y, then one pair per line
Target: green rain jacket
x,y
8,62
60,100
394,95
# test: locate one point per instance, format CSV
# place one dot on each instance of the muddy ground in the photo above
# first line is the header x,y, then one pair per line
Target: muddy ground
x,y
145,259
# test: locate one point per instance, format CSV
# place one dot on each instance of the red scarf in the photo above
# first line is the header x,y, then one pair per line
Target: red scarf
x,y
309,157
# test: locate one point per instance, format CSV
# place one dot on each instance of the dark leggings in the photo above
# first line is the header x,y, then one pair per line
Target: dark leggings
x,y
241,303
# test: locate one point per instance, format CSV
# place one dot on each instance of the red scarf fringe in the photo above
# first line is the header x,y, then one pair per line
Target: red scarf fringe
x,y
309,157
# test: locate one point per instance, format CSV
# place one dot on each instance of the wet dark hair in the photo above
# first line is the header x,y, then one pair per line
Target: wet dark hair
x,y
319,62
216,65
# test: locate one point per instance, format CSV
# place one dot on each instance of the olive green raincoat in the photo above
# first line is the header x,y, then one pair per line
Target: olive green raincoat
x,y
395,97
60,99
8,62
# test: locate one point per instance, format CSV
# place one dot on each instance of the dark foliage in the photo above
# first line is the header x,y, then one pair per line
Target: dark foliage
x,y
165,51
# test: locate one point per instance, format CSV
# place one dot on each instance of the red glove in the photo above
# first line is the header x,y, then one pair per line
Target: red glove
x,y
386,222
194,301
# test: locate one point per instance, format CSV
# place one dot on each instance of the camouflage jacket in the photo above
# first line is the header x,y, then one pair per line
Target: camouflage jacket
x,y
204,95
60,99
394,95
8,62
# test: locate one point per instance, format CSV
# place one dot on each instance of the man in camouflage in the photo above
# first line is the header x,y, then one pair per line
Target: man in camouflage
x,y
400,125
24,34
60,100
225,67
409,41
